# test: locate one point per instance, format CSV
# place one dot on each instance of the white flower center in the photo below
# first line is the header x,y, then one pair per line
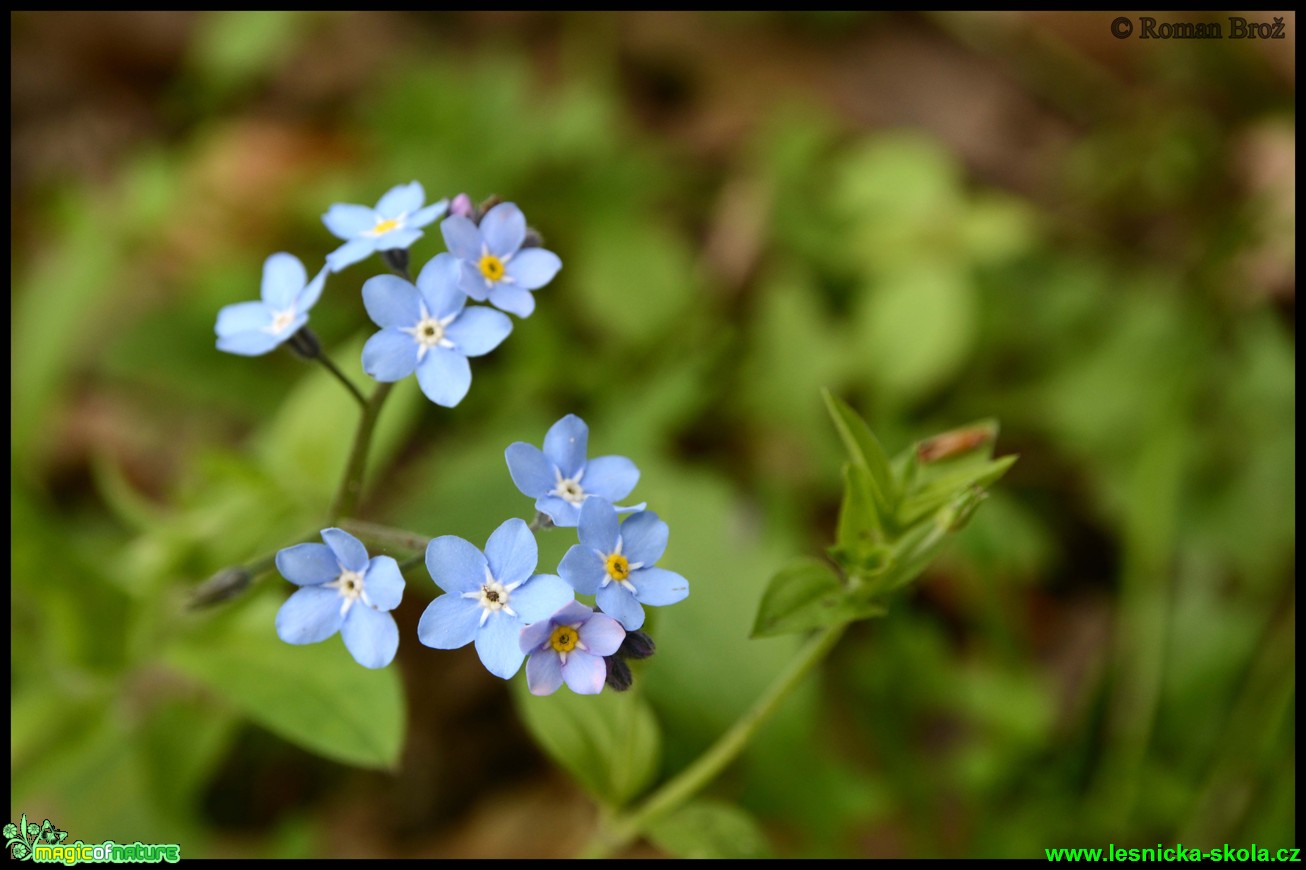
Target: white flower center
x,y
429,332
493,596
281,321
569,488
350,586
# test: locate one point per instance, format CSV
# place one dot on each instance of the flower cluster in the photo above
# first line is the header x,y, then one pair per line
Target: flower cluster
x,y
426,326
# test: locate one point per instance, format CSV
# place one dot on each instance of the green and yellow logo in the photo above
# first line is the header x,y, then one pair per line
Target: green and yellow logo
x,y
44,843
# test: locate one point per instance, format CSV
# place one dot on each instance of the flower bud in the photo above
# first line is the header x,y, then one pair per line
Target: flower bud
x,y
619,676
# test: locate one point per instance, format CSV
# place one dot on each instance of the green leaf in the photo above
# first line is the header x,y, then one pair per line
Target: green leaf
x,y
864,450
859,518
609,742
941,490
710,829
315,695
806,595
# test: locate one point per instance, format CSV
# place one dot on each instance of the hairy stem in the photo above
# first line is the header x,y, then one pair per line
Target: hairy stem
x,y
386,536
622,829
340,376
351,486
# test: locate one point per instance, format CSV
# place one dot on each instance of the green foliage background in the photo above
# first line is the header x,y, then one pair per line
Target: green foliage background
x,y
1106,654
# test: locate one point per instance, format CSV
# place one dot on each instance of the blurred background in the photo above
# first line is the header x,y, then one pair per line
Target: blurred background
x,y
940,217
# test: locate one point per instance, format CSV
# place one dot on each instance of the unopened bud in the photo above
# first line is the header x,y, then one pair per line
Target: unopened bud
x,y
396,260
227,583
954,443
533,239
305,344
462,206
619,676
637,645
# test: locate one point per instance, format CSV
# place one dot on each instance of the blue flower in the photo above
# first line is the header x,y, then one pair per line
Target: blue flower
x,y
570,645
559,478
254,328
426,329
342,590
494,266
615,564
396,222
491,596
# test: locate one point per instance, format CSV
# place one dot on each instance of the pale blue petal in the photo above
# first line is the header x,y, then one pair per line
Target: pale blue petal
x,y
392,301
424,216
544,673
612,477
243,317
539,597
472,282
400,238
533,268
384,583
478,330
513,300
308,297
565,444
583,569
449,622
461,237
371,636
390,355
349,551
310,615
283,278
658,586
308,564
348,221
530,470
574,613
504,229
616,601
404,199
598,525
534,636
351,252
601,635
630,509
643,538
584,673
512,552
456,565
496,644
564,514
291,328
438,283
444,376
255,343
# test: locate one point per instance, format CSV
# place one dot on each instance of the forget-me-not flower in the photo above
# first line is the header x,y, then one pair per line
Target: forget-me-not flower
x,y
254,328
560,479
341,590
396,222
494,265
569,646
615,563
489,596
427,329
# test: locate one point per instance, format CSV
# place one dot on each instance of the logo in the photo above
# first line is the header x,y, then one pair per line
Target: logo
x,y
1237,28
44,844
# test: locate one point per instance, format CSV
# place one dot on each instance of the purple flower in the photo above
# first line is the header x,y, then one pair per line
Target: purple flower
x,y
491,595
615,563
494,266
396,222
559,477
425,328
341,590
254,328
569,647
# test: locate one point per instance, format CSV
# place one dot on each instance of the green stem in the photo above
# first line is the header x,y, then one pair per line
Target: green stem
x,y
386,536
340,376
351,486
621,830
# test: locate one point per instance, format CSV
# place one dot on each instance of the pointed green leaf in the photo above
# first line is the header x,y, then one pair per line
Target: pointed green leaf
x,y
609,742
315,695
859,517
710,829
807,595
931,496
863,449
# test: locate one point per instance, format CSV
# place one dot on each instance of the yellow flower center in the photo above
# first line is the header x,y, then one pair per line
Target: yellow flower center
x,y
618,567
492,267
385,226
564,639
